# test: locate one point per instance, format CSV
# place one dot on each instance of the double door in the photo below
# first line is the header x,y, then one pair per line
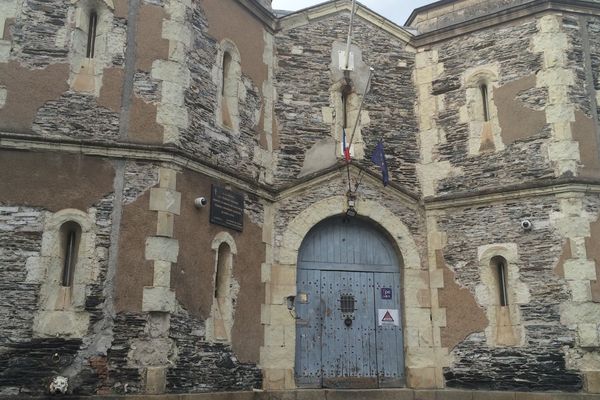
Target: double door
x,y
348,329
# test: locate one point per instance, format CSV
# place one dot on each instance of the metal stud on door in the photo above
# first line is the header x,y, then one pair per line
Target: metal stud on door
x,y
348,347
308,329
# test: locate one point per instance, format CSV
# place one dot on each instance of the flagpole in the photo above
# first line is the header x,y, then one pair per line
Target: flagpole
x,y
371,70
349,42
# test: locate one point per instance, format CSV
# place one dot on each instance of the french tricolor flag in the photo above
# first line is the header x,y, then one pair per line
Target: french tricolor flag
x,y
346,148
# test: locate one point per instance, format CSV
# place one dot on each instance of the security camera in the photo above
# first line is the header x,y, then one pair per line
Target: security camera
x,y
526,225
200,202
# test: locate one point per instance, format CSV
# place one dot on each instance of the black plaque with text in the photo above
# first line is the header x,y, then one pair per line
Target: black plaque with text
x,y
227,208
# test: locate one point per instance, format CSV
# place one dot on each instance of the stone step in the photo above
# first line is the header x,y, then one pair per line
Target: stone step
x,y
331,394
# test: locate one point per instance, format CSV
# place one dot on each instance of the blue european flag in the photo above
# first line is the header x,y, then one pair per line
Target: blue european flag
x,y
378,158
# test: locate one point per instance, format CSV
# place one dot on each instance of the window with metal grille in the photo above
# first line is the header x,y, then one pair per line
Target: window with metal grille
x,y
347,303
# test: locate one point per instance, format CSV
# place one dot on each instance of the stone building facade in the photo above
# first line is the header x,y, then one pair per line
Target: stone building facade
x,y
117,116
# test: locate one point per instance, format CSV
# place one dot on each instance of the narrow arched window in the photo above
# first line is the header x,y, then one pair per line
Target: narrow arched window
x,y
498,263
70,233
485,101
227,89
223,272
223,300
226,70
91,34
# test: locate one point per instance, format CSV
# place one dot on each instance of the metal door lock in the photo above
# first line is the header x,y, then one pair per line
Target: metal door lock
x,y
348,321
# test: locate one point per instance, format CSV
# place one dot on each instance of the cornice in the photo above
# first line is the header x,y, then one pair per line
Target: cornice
x,y
550,187
260,12
172,155
426,7
505,16
134,151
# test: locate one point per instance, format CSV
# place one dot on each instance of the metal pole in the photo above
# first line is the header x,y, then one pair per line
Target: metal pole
x,y
350,29
361,107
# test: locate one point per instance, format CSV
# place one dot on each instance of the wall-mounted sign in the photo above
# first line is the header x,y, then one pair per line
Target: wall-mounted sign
x,y
386,293
227,208
388,317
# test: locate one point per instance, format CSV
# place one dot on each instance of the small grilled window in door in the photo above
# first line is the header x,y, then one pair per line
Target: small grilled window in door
x,y
347,303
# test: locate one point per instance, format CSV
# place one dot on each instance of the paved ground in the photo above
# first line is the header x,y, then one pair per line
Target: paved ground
x,y
389,394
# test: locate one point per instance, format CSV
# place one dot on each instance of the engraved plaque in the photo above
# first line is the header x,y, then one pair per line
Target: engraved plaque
x,y
227,208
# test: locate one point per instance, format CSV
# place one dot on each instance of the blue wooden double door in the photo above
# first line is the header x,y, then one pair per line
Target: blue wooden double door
x,y
348,308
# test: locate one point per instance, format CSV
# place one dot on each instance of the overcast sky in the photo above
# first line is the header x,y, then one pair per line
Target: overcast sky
x,y
395,10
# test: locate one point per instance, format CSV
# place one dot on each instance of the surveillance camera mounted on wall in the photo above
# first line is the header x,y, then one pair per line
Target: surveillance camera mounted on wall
x,y
526,225
200,202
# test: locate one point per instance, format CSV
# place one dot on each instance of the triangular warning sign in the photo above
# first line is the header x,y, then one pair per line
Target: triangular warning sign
x,y
387,317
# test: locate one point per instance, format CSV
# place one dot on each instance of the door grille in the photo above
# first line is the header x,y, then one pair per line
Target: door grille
x,y
347,303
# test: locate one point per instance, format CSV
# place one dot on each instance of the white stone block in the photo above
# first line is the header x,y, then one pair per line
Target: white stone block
x,y
162,249
4,50
564,150
61,324
558,94
555,77
575,313
276,357
170,71
265,314
177,32
573,227
36,270
158,299
578,247
549,23
162,274
165,222
560,113
170,134
436,278
3,96
177,10
588,335
168,178
265,272
412,337
172,93
167,200
567,166
420,357
417,317
168,114
576,270
580,291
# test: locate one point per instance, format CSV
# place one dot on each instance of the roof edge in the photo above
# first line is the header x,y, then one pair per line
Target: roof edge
x,y
426,7
321,10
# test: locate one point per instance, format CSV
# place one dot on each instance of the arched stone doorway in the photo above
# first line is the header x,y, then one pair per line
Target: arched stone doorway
x,y
349,321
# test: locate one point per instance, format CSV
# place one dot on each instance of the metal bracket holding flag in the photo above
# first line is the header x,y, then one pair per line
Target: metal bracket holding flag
x,y
378,156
